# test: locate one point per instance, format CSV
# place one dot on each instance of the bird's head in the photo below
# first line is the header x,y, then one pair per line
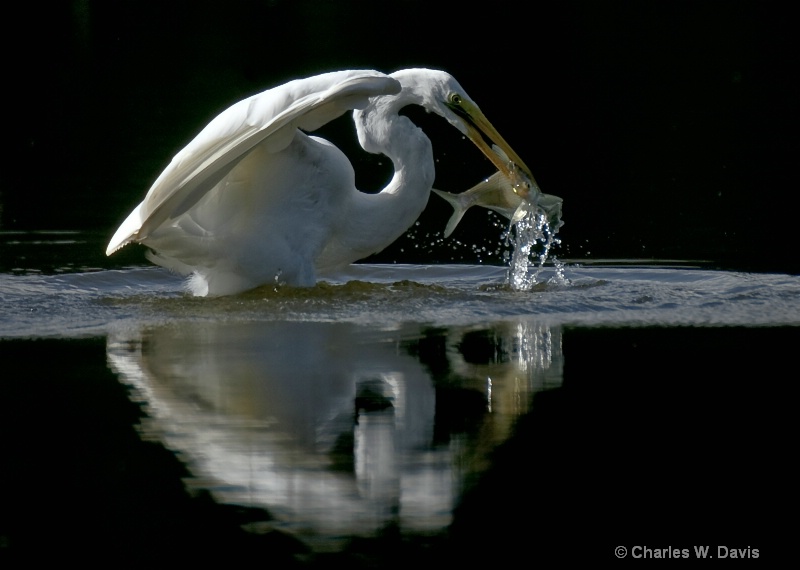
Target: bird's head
x,y
439,92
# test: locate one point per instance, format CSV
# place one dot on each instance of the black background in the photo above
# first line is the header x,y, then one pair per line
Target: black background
x,y
667,127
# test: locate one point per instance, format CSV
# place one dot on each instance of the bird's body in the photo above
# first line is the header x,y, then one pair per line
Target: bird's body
x,y
253,199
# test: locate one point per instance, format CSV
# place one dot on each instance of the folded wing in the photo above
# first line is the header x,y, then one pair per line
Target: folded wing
x,y
271,117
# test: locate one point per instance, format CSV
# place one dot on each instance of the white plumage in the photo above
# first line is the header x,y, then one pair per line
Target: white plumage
x,y
253,199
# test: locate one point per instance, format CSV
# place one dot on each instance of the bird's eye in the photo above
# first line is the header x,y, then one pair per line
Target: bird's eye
x,y
455,99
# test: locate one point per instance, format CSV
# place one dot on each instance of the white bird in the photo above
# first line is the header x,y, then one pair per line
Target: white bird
x,y
253,199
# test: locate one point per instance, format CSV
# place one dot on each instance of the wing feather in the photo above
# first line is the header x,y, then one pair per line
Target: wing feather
x,y
272,117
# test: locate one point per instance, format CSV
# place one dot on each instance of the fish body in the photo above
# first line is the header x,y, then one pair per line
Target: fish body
x,y
495,193
498,193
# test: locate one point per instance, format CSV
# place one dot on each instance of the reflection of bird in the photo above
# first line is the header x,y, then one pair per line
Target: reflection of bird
x,y
253,200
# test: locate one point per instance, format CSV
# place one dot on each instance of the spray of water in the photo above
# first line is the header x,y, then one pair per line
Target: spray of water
x,y
532,238
525,246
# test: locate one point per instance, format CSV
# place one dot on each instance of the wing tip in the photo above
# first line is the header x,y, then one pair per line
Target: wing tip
x,y
127,232
115,247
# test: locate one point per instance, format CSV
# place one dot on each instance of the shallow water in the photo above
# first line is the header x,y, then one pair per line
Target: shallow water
x,y
381,398
99,302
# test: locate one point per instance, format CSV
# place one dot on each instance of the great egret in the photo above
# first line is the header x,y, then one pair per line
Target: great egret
x,y
252,199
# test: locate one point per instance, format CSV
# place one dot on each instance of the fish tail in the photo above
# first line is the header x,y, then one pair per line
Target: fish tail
x,y
458,210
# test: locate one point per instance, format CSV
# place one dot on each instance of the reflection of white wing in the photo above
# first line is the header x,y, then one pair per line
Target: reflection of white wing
x,y
272,116
258,428
257,411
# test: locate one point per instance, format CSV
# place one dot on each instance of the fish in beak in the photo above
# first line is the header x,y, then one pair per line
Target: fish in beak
x,y
512,191
483,134
497,193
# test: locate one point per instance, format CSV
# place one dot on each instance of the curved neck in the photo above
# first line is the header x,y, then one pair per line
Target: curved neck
x,y
411,153
374,221
400,203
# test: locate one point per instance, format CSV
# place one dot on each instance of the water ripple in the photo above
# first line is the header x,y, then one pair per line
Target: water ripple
x,y
93,303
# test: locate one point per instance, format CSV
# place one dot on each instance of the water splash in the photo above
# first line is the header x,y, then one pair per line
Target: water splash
x,y
532,237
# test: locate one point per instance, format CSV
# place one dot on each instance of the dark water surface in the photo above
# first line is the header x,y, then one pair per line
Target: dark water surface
x,y
656,436
395,414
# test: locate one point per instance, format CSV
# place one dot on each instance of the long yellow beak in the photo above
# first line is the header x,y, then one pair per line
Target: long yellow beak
x,y
481,132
